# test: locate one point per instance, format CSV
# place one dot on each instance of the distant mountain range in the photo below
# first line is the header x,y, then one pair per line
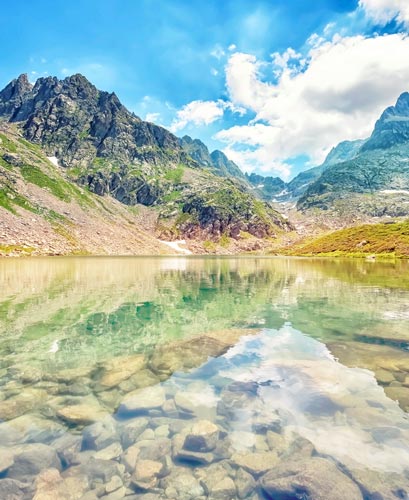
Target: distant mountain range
x,y
94,144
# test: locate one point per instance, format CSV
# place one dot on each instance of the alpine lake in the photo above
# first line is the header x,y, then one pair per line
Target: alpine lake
x,y
191,378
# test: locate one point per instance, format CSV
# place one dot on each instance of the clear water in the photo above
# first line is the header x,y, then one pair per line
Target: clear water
x,y
297,366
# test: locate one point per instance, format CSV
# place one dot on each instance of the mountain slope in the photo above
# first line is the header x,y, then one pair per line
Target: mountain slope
x,y
344,151
376,181
109,151
385,239
42,212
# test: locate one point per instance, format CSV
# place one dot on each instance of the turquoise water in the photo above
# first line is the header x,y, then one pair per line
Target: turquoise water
x,y
204,378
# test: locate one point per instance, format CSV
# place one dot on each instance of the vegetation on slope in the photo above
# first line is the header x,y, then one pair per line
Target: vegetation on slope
x,y
381,239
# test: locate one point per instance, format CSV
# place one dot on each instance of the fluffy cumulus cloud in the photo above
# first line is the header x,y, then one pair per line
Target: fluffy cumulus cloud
x,y
198,113
306,105
202,113
382,11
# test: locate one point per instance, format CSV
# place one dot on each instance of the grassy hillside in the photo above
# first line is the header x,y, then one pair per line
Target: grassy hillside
x,y
381,239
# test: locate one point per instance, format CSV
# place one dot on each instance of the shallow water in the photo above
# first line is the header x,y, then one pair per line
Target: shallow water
x,y
204,378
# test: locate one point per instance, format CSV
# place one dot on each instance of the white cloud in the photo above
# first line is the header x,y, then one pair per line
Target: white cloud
x,y
339,94
203,113
152,117
214,71
198,113
382,11
232,47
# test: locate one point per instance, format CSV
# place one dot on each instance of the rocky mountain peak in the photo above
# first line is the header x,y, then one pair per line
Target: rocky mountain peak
x,y
392,128
76,122
13,94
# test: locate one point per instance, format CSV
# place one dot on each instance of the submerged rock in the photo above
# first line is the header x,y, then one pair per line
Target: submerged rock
x,y
100,434
182,485
11,489
143,400
315,478
81,414
380,485
202,436
132,430
146,474
6,459
256,463
120,369
30,459
245,483
27,400
50,485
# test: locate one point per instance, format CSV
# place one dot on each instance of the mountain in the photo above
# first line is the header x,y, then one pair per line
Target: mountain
x,y
217,161
345,150
375,182
392,128
96,144
275,189
267,187
197,150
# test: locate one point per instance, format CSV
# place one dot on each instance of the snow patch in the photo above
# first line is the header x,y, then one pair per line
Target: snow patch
x,y
54,160
176,246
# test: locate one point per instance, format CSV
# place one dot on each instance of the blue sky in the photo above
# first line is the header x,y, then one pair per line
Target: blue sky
x,y
274,83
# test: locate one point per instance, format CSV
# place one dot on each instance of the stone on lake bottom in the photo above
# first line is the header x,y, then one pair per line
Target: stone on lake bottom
x,y
315,478
143,400
256,463
202,436
146,474
81,414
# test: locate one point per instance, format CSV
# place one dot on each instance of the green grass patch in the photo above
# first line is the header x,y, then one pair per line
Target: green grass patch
x,y
6,143
173,196
175,175
224,241
9,199
8,249
39,178
209,246
384,240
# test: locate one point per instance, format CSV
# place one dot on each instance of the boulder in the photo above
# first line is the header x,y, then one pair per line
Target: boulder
x,y
245,483
255,463
17,405
146,474
100,434
30,459
202,436
82,414
11,489
49,485
132,430
180,484
314,478
143,400
119,369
